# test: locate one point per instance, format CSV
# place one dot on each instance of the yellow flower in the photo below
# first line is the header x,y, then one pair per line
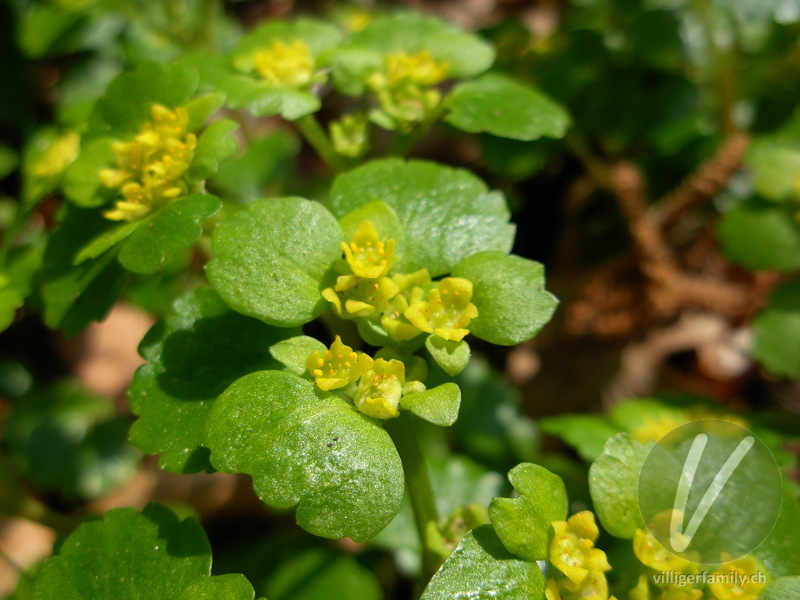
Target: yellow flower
x,y
652,554
353,296
286,65
379,390
338,366
152,168
411,290
367,255
420,69
654,428
447,311
350,134
61,154
741,579
593,587
572,550
642,589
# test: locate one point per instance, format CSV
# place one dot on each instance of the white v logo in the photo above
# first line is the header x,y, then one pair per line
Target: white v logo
x,y
678,539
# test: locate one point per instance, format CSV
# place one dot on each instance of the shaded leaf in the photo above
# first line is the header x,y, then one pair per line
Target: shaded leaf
x,y
588,434
761,237
438,405
777,330
193,356
215,145
292,353
501,106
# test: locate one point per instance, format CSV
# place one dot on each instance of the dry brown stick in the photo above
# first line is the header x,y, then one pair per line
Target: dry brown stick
x,y
705,182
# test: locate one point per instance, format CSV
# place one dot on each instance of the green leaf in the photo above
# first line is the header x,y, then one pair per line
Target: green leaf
x,y
17,278
147,556
438,405
104,241
614,485
233,586
268,266
9,161
265,100
465,54
243,178
499,105
292,353
450,355
523,523
193,356
215,145
448,214
588,434
65,440
480,568
174,227
777,329
509,292
761,237
319,574
784,588
82,179
74,296
129,98
775,161
338,466
780,552
201,108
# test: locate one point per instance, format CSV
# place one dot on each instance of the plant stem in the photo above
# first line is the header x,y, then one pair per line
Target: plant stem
x,y
420,492
315,135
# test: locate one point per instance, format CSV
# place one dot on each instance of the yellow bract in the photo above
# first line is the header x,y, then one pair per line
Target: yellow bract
x,y
286,65
61,153
447,311
367,255
411,290
152,168
741,579
338,366
379,390
573,553
418,69
355,296
655,556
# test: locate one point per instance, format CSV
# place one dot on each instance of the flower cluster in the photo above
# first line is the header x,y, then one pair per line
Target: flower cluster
x,y
405,89
286,65
374,385
152,168
670,577
581,567
403,305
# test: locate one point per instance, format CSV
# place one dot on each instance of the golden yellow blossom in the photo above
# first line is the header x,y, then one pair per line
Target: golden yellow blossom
x,y
368,255
573,553
338,366
379,390
447,311
286,65
741,579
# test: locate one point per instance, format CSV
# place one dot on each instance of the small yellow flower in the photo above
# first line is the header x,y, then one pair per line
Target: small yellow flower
x,y
447,311
593,587
654,428
652,554
151,169
350,134
380,389
286,65
411,290
642,589
61,154
420,69
675,593
741,579
573,553
338,366
367,255
353,296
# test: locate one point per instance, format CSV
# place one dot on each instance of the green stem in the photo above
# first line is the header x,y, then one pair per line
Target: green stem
x,y
420,492
315,135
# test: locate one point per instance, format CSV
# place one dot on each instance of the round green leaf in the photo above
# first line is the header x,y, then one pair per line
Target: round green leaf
x,y
438,405
777,331
447,214
339,467
509,293
194,355
450,355
614,485
147,556
523,523
480,568
215,145
775,162
233,586
761,237
499,105
81,180
292,353
268,265
174,227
